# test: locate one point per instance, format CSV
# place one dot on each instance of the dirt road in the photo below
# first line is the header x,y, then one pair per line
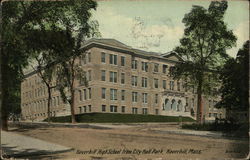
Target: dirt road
x,y
136,142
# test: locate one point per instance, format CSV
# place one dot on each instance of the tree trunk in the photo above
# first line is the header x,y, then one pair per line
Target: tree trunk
x,y
49,100
72,106
4,121
3,82
199,102
4,96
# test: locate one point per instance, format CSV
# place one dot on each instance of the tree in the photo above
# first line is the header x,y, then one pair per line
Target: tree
x,y
234,76
203,47
21,21
69,70
13,58
46,58
46,72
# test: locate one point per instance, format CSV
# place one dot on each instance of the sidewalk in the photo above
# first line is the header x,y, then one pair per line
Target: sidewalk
x,y
15,145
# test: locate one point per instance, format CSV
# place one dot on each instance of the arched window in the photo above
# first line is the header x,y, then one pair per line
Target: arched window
x,y
164,106
179,106
173,105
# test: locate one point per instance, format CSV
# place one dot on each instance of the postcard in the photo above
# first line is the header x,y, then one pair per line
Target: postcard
x,y
127,79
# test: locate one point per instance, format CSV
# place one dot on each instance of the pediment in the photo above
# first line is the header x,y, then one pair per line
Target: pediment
x,y
172,56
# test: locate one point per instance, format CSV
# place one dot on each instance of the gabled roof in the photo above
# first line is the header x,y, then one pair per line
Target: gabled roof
x,y
172,54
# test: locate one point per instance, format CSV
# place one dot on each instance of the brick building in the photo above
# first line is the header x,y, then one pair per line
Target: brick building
x,y
121,80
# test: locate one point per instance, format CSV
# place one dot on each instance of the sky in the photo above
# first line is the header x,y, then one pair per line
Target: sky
x,y
156,25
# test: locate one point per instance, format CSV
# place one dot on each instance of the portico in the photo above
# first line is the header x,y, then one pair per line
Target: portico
x,y
174,104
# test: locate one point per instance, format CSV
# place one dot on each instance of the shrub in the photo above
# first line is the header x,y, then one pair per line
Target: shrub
x,y
118,118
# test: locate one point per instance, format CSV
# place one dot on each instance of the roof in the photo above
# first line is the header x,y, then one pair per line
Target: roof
x,y
116,43
172,53
113,43
108,41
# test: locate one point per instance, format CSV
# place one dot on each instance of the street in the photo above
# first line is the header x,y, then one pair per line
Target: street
x,y
135,141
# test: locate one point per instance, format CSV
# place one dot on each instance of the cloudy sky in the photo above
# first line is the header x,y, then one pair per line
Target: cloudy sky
x,y
156,25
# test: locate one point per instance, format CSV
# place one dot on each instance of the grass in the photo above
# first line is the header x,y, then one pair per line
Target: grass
x,y
240,129
118,118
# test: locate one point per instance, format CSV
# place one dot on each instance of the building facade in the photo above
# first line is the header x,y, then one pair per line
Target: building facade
x,y
120,80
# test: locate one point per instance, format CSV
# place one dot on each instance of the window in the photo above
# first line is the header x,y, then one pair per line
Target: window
x,y
89,108
209,115
134,80
89,57
84,58
113,94
134,96
209,104
178,86
103,93
171,70
103,78
186,101
85,94
85,108
215,102
54,100
164,84
89,75
193,102
80,109
80,60
113,108
171,85
122,61
156,83
156,98
123,95
185,86
82,80
134,110
156,111
144,98
122,78
89,93
156,67
123,109
134,64
144,82
80,95
103,108
164,68
103,60
144,66
113,59
215,115
144,111
113,77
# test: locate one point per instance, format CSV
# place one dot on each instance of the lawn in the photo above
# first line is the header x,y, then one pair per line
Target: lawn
x,y
119,118
235,130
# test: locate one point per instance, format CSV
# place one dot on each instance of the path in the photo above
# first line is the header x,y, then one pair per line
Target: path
x,y
16,145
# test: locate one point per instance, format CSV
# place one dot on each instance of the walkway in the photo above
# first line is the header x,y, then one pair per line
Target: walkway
x,y
15,145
